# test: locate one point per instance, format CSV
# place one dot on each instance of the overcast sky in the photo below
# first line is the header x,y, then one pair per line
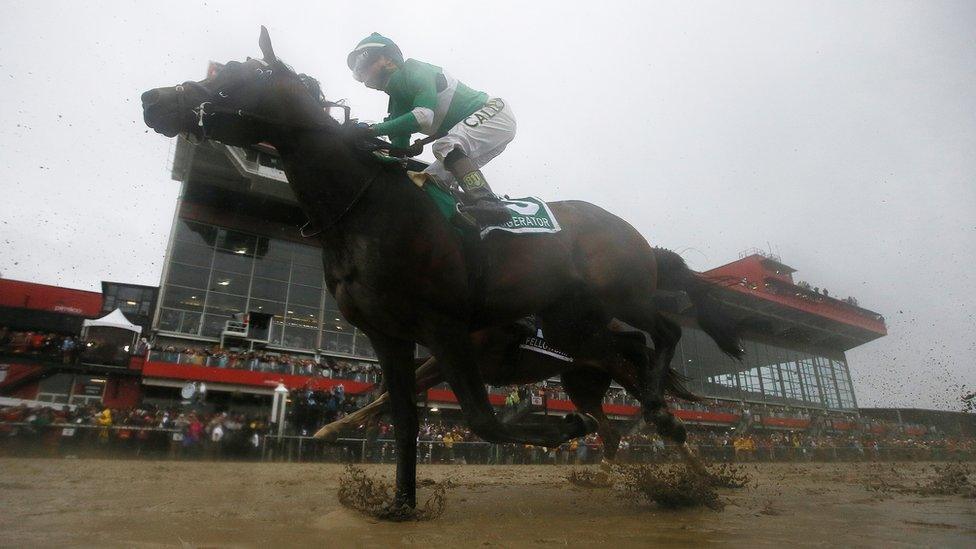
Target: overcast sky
x,y
840,135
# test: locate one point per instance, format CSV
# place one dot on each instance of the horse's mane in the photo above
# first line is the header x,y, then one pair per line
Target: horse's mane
x,y
314,89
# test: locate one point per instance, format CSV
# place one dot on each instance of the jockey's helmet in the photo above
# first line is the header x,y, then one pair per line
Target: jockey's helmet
x,y
366,51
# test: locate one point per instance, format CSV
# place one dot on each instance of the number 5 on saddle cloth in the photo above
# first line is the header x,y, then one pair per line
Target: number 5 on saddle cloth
x,y
530,215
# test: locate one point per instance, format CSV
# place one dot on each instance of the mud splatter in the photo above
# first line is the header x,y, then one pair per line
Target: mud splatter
x,y
727,475
954,479
671,486
374,497
589,479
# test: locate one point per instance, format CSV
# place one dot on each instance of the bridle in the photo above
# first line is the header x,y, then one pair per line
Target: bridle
x,y
206,110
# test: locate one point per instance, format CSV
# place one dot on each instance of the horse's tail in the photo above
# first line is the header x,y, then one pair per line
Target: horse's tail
x,y
674,384
673,274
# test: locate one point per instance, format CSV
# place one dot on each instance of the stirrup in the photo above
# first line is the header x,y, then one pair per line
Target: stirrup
x,y
310,226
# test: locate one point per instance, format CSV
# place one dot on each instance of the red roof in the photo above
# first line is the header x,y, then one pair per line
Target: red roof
x,y
772,281
43,297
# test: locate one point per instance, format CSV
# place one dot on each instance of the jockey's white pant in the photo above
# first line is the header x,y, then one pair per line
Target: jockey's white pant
x,y
481,137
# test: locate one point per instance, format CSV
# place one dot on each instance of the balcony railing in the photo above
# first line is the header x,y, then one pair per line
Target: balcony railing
x,y
262,364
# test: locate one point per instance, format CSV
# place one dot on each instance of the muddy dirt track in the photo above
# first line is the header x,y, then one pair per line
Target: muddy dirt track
x,y
100,503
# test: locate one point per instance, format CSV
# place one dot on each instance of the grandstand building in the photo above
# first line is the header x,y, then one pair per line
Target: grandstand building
x,y
235,249
238,275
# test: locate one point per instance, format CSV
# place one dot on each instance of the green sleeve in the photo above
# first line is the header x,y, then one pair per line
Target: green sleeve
x,y
415,86
403,124
402,140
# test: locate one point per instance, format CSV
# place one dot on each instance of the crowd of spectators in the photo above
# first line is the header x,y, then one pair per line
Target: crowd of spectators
x,y
173,432
189,434
804,290
66,348
269,361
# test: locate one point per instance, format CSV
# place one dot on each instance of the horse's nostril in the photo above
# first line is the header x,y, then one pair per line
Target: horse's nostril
x,y
150,97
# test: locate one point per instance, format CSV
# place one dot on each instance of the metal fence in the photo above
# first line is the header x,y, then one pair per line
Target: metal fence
x,y
93,441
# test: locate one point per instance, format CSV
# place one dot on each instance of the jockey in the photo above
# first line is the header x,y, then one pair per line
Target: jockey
x,y
469,127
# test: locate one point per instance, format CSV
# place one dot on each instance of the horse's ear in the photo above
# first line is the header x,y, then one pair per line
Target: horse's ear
x,y
265,43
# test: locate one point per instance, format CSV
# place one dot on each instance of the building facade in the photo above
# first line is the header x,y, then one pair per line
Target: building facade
x,y
235,249
235,253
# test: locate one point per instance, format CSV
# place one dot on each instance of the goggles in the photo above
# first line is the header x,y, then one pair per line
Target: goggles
x,y
363,61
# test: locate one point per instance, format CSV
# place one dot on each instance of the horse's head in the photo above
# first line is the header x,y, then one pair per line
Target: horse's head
x,y
238,104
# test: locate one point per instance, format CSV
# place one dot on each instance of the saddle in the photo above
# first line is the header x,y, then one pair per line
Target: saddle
x,y
530,215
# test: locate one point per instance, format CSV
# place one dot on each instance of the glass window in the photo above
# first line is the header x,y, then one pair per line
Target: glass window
x,y
213,325
843,385
225,304
278,250
129,294
363,347
827,384
305,296
268,268
265,288
338,341
230,283
189,276
266,306
191,323
336,324
233,262
236,242
277,327
811,383
169,320
331,307
307,275
307,255
196,233
183,298
299,338
302,316
191,254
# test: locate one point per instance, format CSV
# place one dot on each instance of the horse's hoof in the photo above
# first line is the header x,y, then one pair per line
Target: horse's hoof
x,y
670,427
397,512
581,424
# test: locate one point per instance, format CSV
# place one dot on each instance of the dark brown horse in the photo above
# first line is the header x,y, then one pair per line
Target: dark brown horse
x,y
502,361
400,272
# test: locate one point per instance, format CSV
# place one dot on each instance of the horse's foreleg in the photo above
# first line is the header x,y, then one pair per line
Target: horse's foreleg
x,y
652,369
586,388
396,359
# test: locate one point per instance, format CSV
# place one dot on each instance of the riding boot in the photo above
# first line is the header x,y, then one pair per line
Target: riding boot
x,y
481,202
478,199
